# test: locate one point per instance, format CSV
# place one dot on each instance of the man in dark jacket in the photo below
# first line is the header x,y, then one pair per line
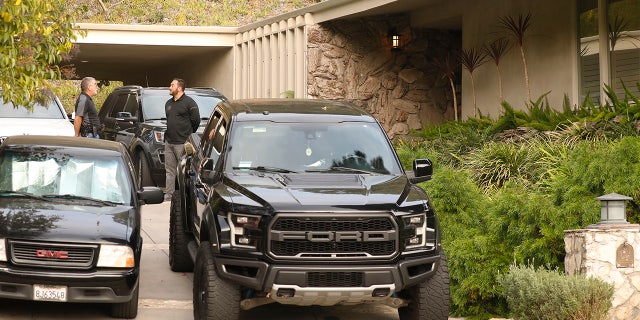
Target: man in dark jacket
x,y
183,119
86,122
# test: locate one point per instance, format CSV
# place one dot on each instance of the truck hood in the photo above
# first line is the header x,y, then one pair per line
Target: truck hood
x,y
50,127
50,221
324,191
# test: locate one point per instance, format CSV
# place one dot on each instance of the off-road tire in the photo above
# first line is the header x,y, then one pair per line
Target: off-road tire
x,y
179,258
213,298
428,300
126,310
143,175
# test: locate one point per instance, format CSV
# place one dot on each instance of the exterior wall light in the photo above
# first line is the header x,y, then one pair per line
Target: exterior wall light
x,y
613,209
396,43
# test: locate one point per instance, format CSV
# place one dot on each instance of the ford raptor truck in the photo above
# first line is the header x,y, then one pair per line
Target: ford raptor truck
x,y
304,202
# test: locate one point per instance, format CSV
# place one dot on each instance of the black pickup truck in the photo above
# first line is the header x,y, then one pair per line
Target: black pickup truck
x,y
304,202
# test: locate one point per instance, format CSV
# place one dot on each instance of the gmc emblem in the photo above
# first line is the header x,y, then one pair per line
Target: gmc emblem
x,y
41,253
333,236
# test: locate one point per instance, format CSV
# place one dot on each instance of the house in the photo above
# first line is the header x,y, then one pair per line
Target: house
x,y
342,49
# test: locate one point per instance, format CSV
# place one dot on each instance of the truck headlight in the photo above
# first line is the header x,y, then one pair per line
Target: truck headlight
x,y
3,250
113,256
159,136
418,225
240,228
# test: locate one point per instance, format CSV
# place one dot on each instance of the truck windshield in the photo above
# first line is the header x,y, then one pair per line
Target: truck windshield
x,y
59,173
312,147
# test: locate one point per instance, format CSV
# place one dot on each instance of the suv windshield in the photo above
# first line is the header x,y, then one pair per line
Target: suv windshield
x,y
153,105
47,109
58,173
312,147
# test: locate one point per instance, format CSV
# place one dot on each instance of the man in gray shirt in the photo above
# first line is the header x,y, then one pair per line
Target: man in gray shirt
x,y
86,122
183,119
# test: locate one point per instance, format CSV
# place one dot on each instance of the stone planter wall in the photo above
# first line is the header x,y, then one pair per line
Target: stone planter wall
x,y
609,254
352,60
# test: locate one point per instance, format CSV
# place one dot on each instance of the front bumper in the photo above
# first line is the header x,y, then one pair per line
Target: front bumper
x,y
108,286
330,284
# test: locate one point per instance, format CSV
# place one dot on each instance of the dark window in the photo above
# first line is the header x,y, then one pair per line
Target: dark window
x,y
210,128
131,105
121,100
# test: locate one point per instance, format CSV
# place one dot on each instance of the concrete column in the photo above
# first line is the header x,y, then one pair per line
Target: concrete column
x,y
608,252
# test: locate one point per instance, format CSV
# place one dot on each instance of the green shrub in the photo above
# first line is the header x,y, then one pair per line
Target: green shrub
x,y
552,295
508,196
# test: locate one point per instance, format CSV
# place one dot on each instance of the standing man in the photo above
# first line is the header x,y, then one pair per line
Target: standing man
x,y
86,122
183,119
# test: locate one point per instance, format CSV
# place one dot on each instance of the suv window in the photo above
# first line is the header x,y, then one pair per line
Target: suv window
x,y
131,105
210,129
218,137
119,105
153,106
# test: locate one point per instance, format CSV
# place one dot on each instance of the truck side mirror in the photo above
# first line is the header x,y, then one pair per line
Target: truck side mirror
x,y
207,173
422,171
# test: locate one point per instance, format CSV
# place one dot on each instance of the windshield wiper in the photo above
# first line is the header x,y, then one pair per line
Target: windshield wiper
x,y
74,197
10,193
342,169
265,169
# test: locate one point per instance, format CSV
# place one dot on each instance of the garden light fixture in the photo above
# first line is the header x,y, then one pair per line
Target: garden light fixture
x,y
613,208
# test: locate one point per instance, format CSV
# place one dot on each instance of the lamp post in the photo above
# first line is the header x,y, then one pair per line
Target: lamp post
x,y
613,209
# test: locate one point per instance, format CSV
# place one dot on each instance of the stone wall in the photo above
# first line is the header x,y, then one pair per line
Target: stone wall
x,y
352,60
608,254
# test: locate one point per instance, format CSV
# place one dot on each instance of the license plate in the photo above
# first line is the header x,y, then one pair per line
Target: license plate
x,y
49,293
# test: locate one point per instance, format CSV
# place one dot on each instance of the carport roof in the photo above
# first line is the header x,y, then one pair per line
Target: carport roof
x,y
110,51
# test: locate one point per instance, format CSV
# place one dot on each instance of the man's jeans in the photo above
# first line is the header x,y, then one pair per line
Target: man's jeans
x,y
172,154
91,135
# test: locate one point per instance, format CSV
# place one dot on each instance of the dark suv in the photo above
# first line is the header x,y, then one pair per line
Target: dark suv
x,y
304,202
70,215
135,117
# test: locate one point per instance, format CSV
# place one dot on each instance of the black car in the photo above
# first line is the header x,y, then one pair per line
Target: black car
x,y
70,222
304,202
135,117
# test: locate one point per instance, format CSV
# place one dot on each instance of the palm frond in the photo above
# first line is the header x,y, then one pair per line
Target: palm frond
x,y
496,49
471,58
517,26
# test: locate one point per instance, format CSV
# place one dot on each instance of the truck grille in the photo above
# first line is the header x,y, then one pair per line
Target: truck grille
x,y
52,255
344,237
335,279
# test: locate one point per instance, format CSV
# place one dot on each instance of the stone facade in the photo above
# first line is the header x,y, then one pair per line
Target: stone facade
x,y
608,253
352,60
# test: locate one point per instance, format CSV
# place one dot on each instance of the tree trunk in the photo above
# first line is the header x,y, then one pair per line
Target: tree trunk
x,y
526,72
455,100
499,82
473,88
